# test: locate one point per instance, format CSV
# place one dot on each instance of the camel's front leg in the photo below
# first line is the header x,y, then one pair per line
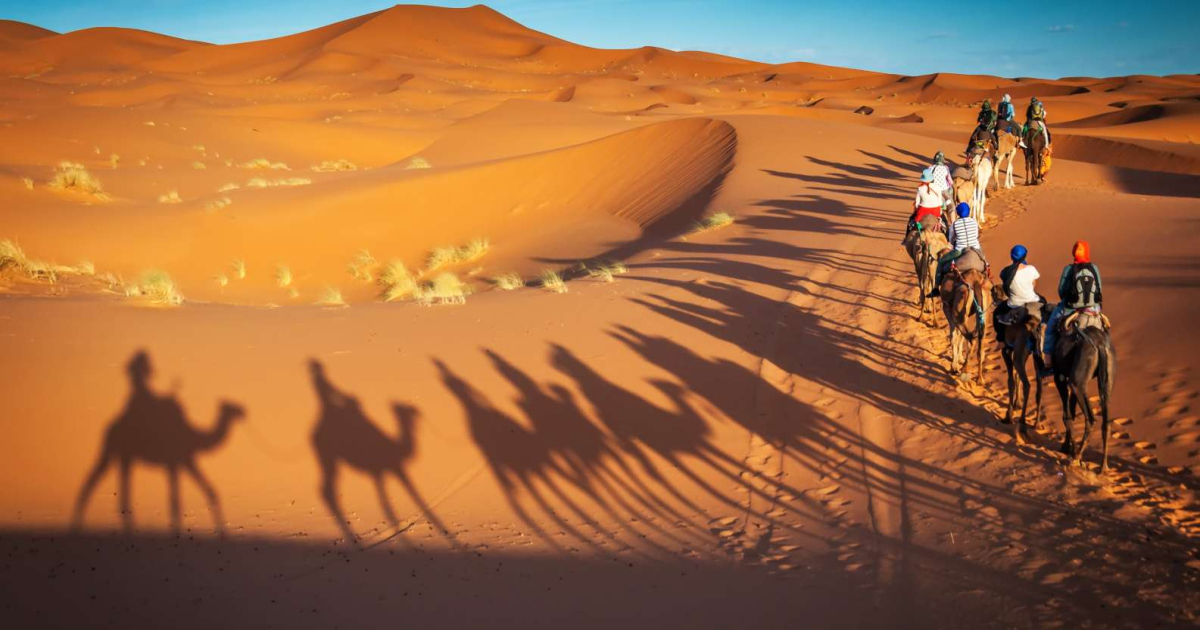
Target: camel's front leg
x,y
214,504
85,493
125,466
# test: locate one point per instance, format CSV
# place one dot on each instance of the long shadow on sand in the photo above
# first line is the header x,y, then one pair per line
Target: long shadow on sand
x,y
153,429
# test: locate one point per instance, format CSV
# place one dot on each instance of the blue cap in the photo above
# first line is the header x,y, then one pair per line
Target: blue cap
x,y
964,209
1019,253
927,175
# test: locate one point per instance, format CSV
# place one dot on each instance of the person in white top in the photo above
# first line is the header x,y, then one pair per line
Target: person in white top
x,y
1020,284
942,182
928,202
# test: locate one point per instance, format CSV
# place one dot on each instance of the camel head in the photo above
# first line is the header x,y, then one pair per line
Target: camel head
x,y
406,415
230,412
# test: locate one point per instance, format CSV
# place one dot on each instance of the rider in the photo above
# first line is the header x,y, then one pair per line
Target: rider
x,y
1078,288
1005,110
964,235
987,121
1037,112
1019,280
942,179
928,202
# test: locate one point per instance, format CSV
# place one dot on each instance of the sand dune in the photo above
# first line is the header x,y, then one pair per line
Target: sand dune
x,y
740,425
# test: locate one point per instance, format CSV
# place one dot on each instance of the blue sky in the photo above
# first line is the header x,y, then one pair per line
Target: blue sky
x,y
1050,39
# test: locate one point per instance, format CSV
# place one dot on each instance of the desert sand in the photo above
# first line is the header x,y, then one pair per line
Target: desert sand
x,y
746,426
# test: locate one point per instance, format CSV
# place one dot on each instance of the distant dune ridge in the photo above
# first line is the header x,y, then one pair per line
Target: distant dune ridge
x,y
538,125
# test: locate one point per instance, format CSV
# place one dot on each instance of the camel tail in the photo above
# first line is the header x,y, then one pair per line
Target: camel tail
x,y
1106,368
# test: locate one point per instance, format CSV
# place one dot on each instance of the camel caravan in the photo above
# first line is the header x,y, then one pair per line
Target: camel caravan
x,y
1068,340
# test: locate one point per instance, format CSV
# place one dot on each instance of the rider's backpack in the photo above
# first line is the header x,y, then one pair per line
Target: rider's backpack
x,y
1083,287
1039,111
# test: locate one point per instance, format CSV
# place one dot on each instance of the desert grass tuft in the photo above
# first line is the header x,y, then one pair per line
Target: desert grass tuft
x,y
331,296
331,166
264,164
446,288
396,281
283,276
114,160
362,267
508,281
199,166
11,255
228,187
73,176
417,162
28,183
605,272
259,182
713,221
217,204
86,268
221,279
449,255
552,281
157,286
239,269
170,197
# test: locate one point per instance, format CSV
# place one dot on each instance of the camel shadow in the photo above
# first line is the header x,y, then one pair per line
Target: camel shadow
x,y
344,435
154,429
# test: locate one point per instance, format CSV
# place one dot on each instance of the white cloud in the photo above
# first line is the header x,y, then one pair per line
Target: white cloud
x,y
1061,28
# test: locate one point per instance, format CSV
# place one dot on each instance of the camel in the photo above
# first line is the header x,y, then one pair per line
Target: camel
x,y
966,298
981,173
1084,351
344,435
923,249
1035,149
1009,145
1021,340
154,429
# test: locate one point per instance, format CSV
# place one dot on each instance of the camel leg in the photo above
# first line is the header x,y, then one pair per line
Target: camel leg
x,y
125,466
329,475
1104,427
1089,419
1012,392
982,351
214,504
173,497
1068,445
1024,396
89,484
384,502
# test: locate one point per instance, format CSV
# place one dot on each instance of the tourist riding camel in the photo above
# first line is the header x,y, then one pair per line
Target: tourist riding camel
x,y
943,181
1035,115
1019,281
1078,289
964,236
928,203
1007,115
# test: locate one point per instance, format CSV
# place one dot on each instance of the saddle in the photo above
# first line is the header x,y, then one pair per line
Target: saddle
x,y
1083,319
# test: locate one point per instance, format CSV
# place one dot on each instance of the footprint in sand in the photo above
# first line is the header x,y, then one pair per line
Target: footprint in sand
x,y
1122,421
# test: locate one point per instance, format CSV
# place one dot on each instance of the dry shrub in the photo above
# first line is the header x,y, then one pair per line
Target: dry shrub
x,y
73,176
396,282
331,296
264,164
156,286
446,288
283,276
417,162
259,182
362,267
218,204
239,269
228,187
28,183
170,197
552,281
114,160
329,166
199,166
508,281
713,221
449,255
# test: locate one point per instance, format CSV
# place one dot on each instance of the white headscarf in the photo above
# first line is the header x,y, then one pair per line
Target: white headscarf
x,y
1007,98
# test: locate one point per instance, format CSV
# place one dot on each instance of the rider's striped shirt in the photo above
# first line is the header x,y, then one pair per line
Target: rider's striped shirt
x,y
964,233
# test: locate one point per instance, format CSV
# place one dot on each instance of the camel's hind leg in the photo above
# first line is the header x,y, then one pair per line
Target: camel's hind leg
x,y
173,497
1068,409
1012,393
384,502
1024,395
1089,419
329,476
89,484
